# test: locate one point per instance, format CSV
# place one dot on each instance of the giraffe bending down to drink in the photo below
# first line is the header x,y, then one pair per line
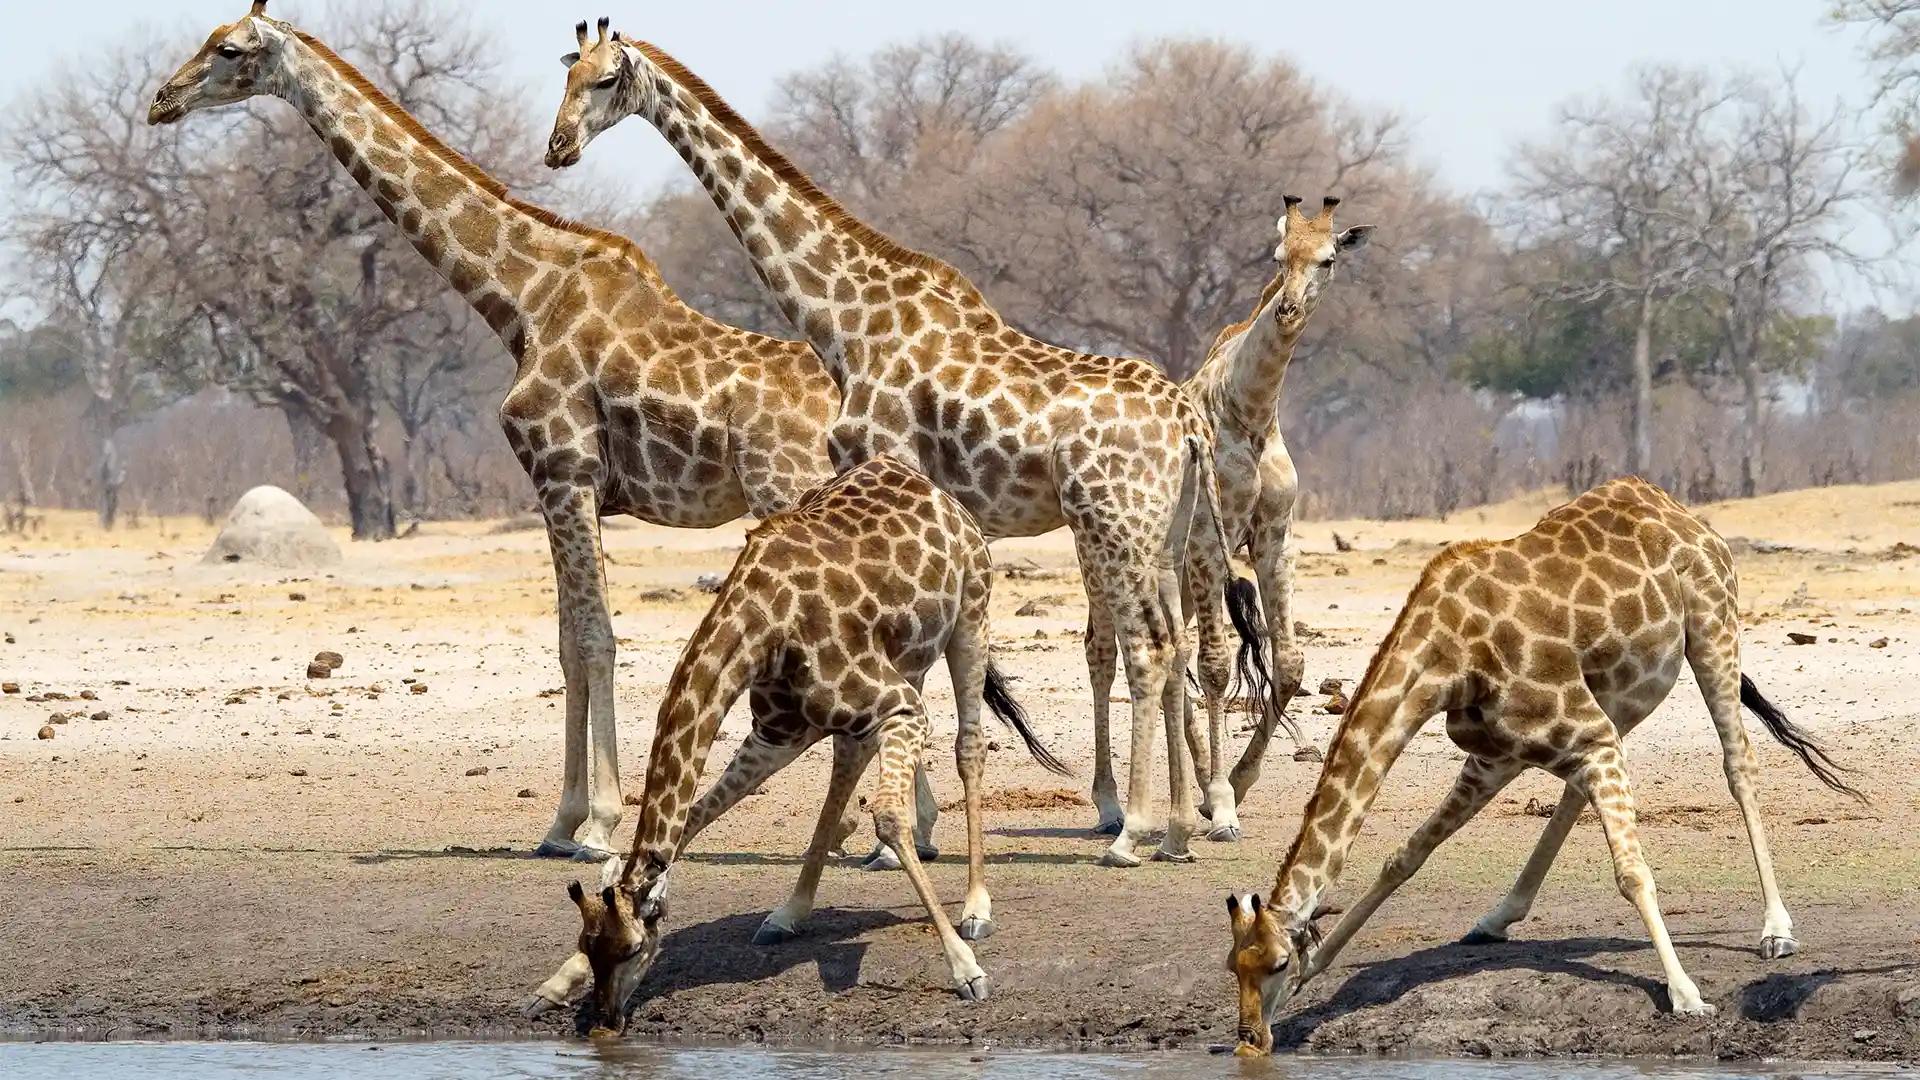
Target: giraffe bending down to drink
x,y
624,401
1542,651
832,616
1028,436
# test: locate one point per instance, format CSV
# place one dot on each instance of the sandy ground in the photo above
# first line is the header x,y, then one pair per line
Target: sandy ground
x,y
213,844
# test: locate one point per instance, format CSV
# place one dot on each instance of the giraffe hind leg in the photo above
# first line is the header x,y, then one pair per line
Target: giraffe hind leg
x,y
1103,654
784,924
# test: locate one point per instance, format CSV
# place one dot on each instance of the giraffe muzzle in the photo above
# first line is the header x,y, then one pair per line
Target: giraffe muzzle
x,y
562,152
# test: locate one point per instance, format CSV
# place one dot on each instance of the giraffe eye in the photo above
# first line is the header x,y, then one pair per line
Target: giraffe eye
x,y
1326,263
608,82
231,52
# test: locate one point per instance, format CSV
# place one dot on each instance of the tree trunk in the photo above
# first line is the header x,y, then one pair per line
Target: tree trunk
x,y
112,475
1751,466
1642,463
363,469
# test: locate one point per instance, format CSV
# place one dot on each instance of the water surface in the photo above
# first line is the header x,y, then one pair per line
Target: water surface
x,y
641,1061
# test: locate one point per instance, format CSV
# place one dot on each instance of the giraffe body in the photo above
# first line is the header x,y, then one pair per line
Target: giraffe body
x,y
831,617
624,400
1542,651
1028,436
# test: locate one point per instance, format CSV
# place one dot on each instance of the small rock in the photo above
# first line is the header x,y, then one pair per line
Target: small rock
x,y
236,700
1341,571
660,595
9,688
1802,639
417,688
45,732
993,746
477,770
1877,643
19,798
1336,705
10,640
1341,543
708,583
89,695
101,715
1309,753
318,670
55,695
296,596
1865,1035
297,772
630,799
524,793
304,731
1033,608
1330,686
329,658
59,718
1906,1003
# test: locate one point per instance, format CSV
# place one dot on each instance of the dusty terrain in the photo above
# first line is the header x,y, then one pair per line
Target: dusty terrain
x,y
214,844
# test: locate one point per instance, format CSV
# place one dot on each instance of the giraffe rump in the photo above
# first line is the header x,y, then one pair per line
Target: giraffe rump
x,y
1823,768
1013,715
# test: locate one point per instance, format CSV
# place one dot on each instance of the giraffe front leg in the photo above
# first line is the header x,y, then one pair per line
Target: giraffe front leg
x,y
560,988
1493,926
1603,779
903,739
590,805
1102,654
785,923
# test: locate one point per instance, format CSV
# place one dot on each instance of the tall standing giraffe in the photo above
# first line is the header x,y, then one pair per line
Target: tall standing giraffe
x,y
624,400
837,609
1544,651
1028,436
1239,387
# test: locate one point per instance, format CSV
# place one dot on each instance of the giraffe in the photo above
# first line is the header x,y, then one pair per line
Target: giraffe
x,y
1238,385
1544,650
1028,436
624,400
833,614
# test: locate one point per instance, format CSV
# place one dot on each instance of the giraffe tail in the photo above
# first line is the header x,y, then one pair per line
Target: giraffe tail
x,y
1795,739
1014,716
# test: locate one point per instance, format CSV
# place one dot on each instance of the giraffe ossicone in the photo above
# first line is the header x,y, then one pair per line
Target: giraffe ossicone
x,y
831,618
1027,435
1543,651
625,401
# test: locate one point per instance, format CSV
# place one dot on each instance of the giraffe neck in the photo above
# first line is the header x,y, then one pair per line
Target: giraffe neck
x,y
489,247
726,654
836,279
1384,714
1256,367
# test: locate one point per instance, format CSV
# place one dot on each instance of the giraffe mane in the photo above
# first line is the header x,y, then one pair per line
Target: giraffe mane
x,y
461,164
1453,553
882,245
1236,329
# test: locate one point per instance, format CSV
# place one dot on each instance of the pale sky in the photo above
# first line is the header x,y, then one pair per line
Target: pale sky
x,y
1472,76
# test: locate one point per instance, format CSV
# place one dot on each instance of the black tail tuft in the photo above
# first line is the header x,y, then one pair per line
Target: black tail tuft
x,y
1011,714
1250,667
1795,739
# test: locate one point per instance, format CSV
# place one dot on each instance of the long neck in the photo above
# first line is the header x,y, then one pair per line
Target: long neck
x,y
1257,364
837,280
484,244
1384,715
726,653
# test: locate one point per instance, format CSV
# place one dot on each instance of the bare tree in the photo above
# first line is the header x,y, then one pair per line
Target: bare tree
x,y
1614,189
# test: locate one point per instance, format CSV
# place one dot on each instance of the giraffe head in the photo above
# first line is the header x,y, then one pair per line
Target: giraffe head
x,y
1269,960
1307,250
620,936
601,76
235,64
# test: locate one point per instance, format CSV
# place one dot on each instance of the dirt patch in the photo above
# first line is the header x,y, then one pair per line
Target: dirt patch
x,y
1024,799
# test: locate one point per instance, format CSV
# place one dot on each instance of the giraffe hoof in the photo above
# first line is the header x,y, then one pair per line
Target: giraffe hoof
x,y
772,933
1774,948
1698,1008
1477,936
929,853
1178,857
974,989
1119,860
975,928
538,1005
584,853
1110,828
553,849
883,859
1225,834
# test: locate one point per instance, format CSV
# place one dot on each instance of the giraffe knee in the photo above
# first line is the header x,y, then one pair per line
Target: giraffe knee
x,y
1633,881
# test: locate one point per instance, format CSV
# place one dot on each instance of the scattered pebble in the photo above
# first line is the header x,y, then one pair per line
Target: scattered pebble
x,y
630,799
296,596
1309,753
1336,704
1331,686
708,583
417,688
45,732
318,670
101,715
1877,643
89,695
477,770
524,793
10,640
1033,609
1802,639
9,688
297,772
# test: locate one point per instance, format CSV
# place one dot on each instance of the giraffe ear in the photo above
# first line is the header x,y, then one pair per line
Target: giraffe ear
x,y
653,901
570,59
578,894
1354,239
